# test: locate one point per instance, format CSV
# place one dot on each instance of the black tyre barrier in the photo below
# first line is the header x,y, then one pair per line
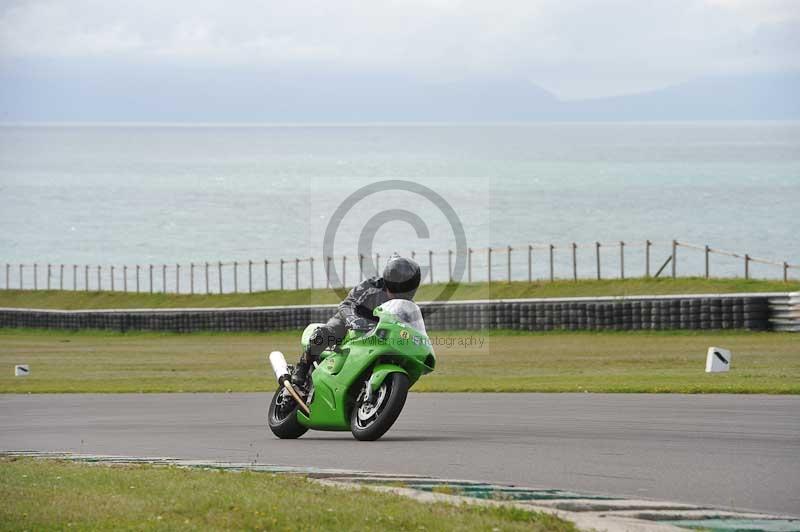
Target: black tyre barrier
x,y
635,313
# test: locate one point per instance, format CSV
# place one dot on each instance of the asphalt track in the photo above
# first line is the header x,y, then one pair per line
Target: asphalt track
x,y
723,450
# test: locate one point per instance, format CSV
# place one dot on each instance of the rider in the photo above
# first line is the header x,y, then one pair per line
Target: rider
x,y
400,280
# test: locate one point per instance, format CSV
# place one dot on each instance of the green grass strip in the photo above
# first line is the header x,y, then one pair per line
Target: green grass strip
x,y
69,300
56,495
468,361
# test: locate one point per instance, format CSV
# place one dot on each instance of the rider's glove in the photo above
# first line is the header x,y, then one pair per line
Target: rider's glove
x,y
360,324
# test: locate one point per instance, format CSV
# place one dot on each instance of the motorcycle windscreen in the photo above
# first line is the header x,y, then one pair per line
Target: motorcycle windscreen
x,y
407,312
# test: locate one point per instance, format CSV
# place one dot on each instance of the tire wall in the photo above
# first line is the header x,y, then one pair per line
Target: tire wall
x,y
741,311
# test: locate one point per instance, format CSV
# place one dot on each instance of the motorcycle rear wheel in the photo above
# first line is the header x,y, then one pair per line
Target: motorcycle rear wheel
x,y
375,420
282,417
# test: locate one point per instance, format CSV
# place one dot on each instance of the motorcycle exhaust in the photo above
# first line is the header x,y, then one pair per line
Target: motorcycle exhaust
x,y
281,369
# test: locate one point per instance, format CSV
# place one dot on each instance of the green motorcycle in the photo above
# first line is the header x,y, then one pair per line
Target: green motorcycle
x,y
362,384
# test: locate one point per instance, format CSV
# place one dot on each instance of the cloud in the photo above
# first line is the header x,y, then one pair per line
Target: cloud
x,y
580,48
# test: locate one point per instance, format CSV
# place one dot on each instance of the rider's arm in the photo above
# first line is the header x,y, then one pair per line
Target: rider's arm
x,y
347,308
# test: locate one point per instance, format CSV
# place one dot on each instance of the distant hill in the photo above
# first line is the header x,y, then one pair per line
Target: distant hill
x,y
113,92
763,97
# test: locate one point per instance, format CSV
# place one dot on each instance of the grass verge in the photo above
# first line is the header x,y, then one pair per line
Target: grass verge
x,y
469,361
68,300
54,495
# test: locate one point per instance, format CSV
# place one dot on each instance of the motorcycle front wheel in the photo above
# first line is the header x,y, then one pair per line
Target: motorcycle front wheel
x,y
370,420
282,416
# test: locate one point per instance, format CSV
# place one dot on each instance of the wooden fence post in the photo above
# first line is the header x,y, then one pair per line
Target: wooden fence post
x,y
574,261
74,277
647,245
674,258
530,263
360,267
266,275
311,269
621,259
378,264
430,265
177,278
785,272
99,279
469,265
191,278
281,274
21,268
746,266
327,272
489,263
297,273
86,277
35,276
449,265
150,274
60,277
250,276
137,278
219,275
235,277
8,276
706,253
112,278
206,276
163,278
508,263
48,276
552,273
124,278
597,258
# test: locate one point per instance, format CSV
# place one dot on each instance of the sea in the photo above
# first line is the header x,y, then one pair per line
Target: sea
x,y
190,194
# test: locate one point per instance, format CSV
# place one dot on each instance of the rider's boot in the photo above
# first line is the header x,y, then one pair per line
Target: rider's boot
x,y
300,373
311,354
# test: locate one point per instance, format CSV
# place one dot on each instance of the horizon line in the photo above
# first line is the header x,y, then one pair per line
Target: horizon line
x,y
389,123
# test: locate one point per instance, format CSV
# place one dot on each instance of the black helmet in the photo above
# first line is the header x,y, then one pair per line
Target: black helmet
x,y
401,276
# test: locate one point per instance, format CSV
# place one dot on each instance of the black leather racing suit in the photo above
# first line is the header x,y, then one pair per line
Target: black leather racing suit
x,y
356,307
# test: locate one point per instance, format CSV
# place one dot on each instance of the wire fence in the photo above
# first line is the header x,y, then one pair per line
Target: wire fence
x,y
527,262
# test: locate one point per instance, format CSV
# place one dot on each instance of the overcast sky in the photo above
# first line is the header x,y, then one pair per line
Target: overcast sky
x,y
575,48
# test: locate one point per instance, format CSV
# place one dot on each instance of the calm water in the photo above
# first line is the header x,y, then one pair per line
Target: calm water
x,y
128,195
